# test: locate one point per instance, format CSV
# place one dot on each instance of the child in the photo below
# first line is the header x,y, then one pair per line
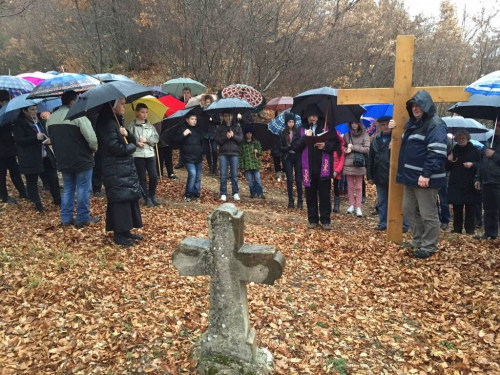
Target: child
x,y
191,140
250,152
144,157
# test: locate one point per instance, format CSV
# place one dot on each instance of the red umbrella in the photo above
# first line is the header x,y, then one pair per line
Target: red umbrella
x,y
172,103
280,103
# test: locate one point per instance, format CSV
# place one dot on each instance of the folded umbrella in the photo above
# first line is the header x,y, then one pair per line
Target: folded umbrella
x,y
10,111
90,102
457,123
280,103
229,105
277,125
110,77
156,109
60,83
15,85
176,86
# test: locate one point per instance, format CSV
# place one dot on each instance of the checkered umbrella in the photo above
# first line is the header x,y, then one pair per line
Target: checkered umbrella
x,y
278,124
15,85
248,93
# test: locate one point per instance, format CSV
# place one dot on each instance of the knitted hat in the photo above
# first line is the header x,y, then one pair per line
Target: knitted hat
x,y
248,129
289,116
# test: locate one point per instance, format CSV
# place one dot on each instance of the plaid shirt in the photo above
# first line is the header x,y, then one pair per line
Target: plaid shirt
x,y
247,158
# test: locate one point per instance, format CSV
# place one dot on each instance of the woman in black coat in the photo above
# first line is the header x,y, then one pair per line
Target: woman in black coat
x,y
35,157
462,163
119,174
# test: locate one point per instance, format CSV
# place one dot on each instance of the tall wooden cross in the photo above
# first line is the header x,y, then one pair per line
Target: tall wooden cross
x,y
399,95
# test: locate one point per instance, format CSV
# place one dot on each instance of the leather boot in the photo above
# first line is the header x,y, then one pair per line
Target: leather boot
x,y
291,203
39,206
149,202
336,204
299,205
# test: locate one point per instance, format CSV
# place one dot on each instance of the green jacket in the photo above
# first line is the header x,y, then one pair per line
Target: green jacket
x,y
247,158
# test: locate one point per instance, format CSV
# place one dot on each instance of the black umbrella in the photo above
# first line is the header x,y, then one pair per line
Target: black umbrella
x,y
263,135
326,100
171,124
485,107
91,101
229,105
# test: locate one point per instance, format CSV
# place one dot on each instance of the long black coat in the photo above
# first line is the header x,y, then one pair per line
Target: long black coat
x,y
8,147
379,160
30,148
118,168
191,145
461,183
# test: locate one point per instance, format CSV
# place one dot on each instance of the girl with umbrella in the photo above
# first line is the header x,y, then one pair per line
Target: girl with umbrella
x,y
292,161
35,157
119,174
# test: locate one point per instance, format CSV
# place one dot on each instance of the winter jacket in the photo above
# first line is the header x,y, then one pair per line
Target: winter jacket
x,y
148,131
229,146
118,168
489,169
461,188
285,145
74,142
8,147
30,148
379,161
423,148
338,161
247,159
360,143
191,144
314,153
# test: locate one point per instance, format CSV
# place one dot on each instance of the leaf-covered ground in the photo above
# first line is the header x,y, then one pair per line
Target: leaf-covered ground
x,y
349,302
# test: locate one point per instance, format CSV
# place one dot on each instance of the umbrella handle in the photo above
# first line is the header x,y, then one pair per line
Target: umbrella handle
x,y
494,130
158,161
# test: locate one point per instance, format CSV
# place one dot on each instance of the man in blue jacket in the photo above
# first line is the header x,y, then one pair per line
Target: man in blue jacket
x,y
421,169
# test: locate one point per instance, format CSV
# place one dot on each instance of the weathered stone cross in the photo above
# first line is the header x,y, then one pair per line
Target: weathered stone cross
x,y
230,264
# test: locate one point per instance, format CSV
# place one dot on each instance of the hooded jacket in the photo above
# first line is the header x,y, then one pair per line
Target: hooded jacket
x,y
424,145
489,169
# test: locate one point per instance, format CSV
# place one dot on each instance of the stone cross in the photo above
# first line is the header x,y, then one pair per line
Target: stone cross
x,y
230,264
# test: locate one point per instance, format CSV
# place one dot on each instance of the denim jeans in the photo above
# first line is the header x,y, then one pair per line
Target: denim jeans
x,y
79,182
443,206
292,162
254,182
193,184
383,200
226,161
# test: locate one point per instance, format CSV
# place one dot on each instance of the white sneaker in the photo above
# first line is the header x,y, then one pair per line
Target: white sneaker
x,y
350,210
223,198
279,179
358,212
236,197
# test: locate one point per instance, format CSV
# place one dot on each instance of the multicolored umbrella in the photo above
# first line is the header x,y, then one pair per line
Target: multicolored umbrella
x,y
176,85
60,83
35,77
15,85
280,103
172,103
487,85
245,92
156,109
110,77
277,125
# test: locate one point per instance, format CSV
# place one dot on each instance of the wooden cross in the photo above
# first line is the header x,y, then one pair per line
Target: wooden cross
x,y
230,264
399,95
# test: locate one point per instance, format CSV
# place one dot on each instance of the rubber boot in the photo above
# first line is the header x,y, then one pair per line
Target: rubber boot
x,y
336,204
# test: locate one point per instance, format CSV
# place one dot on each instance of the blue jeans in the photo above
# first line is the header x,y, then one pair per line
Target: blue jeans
x,y
81,183
226,161
193,184
443,206
254,182
383,199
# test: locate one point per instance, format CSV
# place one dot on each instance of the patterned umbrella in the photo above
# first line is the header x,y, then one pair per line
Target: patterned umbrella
x,y
60,83
15,85
248,93
280,103
487,85
35,77
278,124
175,86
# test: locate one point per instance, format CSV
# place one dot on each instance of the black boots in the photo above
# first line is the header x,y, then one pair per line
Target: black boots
x,y
336,204
299,205
39,206
290,203
155,201
149,202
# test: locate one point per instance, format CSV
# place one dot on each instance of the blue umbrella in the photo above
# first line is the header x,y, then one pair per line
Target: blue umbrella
x,y
229,105
15,85
60,83
110,77
10,111
48,104
487,85
277,125
378,110
342,128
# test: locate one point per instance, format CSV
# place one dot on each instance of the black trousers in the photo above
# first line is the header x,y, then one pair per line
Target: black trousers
x,y
277,163
336,190
322,189
210,151
10,164
148,165
165,155
97,173
470,217
123,216
50,173
491,204
292,162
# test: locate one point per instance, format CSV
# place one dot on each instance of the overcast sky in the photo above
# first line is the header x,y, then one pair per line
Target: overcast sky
x,y
431,7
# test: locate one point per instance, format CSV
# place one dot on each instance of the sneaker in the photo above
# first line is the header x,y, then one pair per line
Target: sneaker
x,y
456,231
350,210
223,198
72,222
485,237
236,197
312,225
358,212
9,200
279,179
198,199
187,198
381,228
252,195
407,245
173,177
422,254
326,227
179,166
92,220
262,196
444,227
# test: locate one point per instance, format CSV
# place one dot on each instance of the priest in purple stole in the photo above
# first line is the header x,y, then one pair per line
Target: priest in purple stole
x,y
317,166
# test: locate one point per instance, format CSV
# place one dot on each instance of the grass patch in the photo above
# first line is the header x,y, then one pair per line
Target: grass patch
x,y
34,282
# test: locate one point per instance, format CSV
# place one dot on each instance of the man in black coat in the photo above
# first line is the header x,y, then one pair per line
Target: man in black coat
x,y
8,162
378,167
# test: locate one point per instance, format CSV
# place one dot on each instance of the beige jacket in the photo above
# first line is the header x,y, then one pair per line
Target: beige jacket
x,y
147,131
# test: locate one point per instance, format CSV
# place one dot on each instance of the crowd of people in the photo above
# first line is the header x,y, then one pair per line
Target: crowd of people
x,y
435,169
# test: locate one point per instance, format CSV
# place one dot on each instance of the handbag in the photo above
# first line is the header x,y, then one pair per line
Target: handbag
x,y
359,158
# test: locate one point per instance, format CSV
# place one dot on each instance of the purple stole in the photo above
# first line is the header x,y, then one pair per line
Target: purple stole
x,y
325,162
